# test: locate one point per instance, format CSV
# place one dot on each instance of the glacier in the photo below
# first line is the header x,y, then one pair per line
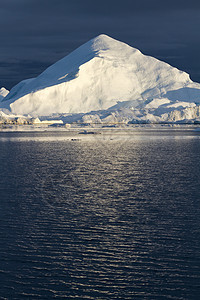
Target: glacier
x,y
106,80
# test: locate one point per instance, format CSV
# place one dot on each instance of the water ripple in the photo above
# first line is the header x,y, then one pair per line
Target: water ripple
x,y
100,219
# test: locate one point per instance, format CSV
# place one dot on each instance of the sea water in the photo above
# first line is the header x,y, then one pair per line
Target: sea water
x,y
108,216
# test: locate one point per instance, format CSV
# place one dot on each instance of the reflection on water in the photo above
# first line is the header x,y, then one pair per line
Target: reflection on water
x,y
100,218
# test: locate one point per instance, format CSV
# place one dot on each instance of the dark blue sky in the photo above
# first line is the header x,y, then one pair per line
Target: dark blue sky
x,y
36,33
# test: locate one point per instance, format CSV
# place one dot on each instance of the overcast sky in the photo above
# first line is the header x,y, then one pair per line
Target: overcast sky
x,y
36,33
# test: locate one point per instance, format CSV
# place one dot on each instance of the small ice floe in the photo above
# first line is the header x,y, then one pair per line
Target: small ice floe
x,y
89,132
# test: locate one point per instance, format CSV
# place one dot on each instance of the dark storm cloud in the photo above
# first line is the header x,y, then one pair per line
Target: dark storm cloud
x,y
113,6
36,33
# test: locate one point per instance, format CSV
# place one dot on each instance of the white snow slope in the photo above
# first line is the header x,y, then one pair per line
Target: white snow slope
x,y
105,73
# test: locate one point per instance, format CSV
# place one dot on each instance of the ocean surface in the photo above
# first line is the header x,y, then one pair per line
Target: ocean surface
x,y
107,216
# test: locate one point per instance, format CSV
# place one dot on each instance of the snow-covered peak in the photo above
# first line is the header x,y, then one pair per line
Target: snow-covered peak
x,y
101,46
105,43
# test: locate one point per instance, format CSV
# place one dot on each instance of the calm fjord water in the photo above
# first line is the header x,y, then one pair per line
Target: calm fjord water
x,y
103,217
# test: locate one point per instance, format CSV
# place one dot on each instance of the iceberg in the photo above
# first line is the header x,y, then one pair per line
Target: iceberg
x,y
112,79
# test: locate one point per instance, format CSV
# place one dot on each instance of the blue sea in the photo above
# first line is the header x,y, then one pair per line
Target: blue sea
x,y
108,216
